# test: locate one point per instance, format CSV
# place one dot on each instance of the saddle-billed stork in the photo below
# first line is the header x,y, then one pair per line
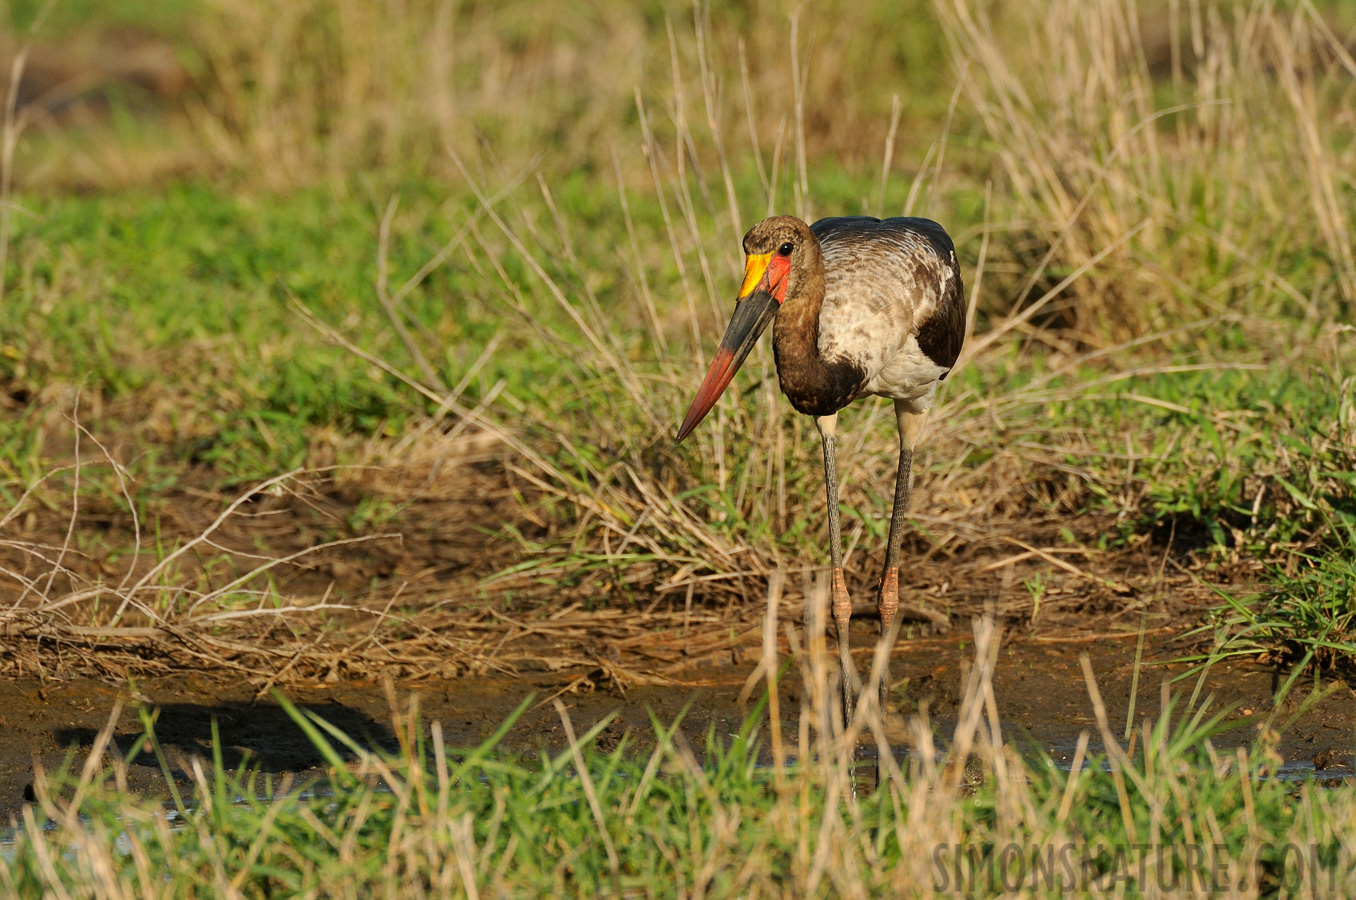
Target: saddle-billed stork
x,y
861,307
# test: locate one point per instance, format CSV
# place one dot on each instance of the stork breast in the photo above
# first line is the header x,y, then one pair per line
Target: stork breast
x,y
879,290
910,375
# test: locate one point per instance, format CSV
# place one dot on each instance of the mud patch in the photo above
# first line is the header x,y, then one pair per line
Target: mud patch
x,y
1039,688
325,574
450,550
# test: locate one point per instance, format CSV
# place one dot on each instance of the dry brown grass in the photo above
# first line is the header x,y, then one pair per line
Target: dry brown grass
x,y
294,92
1222,172
274,580
276,584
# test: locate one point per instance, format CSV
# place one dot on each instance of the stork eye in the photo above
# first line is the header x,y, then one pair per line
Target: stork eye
x,y
785,249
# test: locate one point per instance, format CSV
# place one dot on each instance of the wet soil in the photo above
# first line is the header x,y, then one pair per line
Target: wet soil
x,y
1039,687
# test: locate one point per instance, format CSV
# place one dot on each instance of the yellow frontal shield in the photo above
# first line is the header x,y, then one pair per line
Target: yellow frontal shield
x,y
755,265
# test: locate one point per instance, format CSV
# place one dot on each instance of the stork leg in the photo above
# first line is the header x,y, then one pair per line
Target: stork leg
x,y
910,426
841,604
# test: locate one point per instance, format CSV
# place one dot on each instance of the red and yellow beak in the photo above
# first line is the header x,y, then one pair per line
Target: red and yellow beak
x,y
760,296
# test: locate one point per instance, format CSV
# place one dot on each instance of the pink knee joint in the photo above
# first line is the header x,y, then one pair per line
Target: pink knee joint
x,y
889,598
842,604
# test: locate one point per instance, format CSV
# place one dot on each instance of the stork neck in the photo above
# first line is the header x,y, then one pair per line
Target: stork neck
x,y
815,386
795,333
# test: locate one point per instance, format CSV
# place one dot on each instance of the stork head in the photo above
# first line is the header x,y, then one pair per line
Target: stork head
x,y
775,250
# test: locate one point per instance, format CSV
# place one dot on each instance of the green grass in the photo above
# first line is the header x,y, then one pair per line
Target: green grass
x,y
68,17
1307,612
144,296
1252,454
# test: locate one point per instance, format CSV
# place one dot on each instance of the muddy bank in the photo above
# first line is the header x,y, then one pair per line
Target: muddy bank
x,y
1039,686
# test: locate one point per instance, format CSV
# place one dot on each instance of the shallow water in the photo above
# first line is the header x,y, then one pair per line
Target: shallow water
x,y
1039,689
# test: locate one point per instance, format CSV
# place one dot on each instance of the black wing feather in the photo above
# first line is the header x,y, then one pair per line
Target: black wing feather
x,y
941,336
